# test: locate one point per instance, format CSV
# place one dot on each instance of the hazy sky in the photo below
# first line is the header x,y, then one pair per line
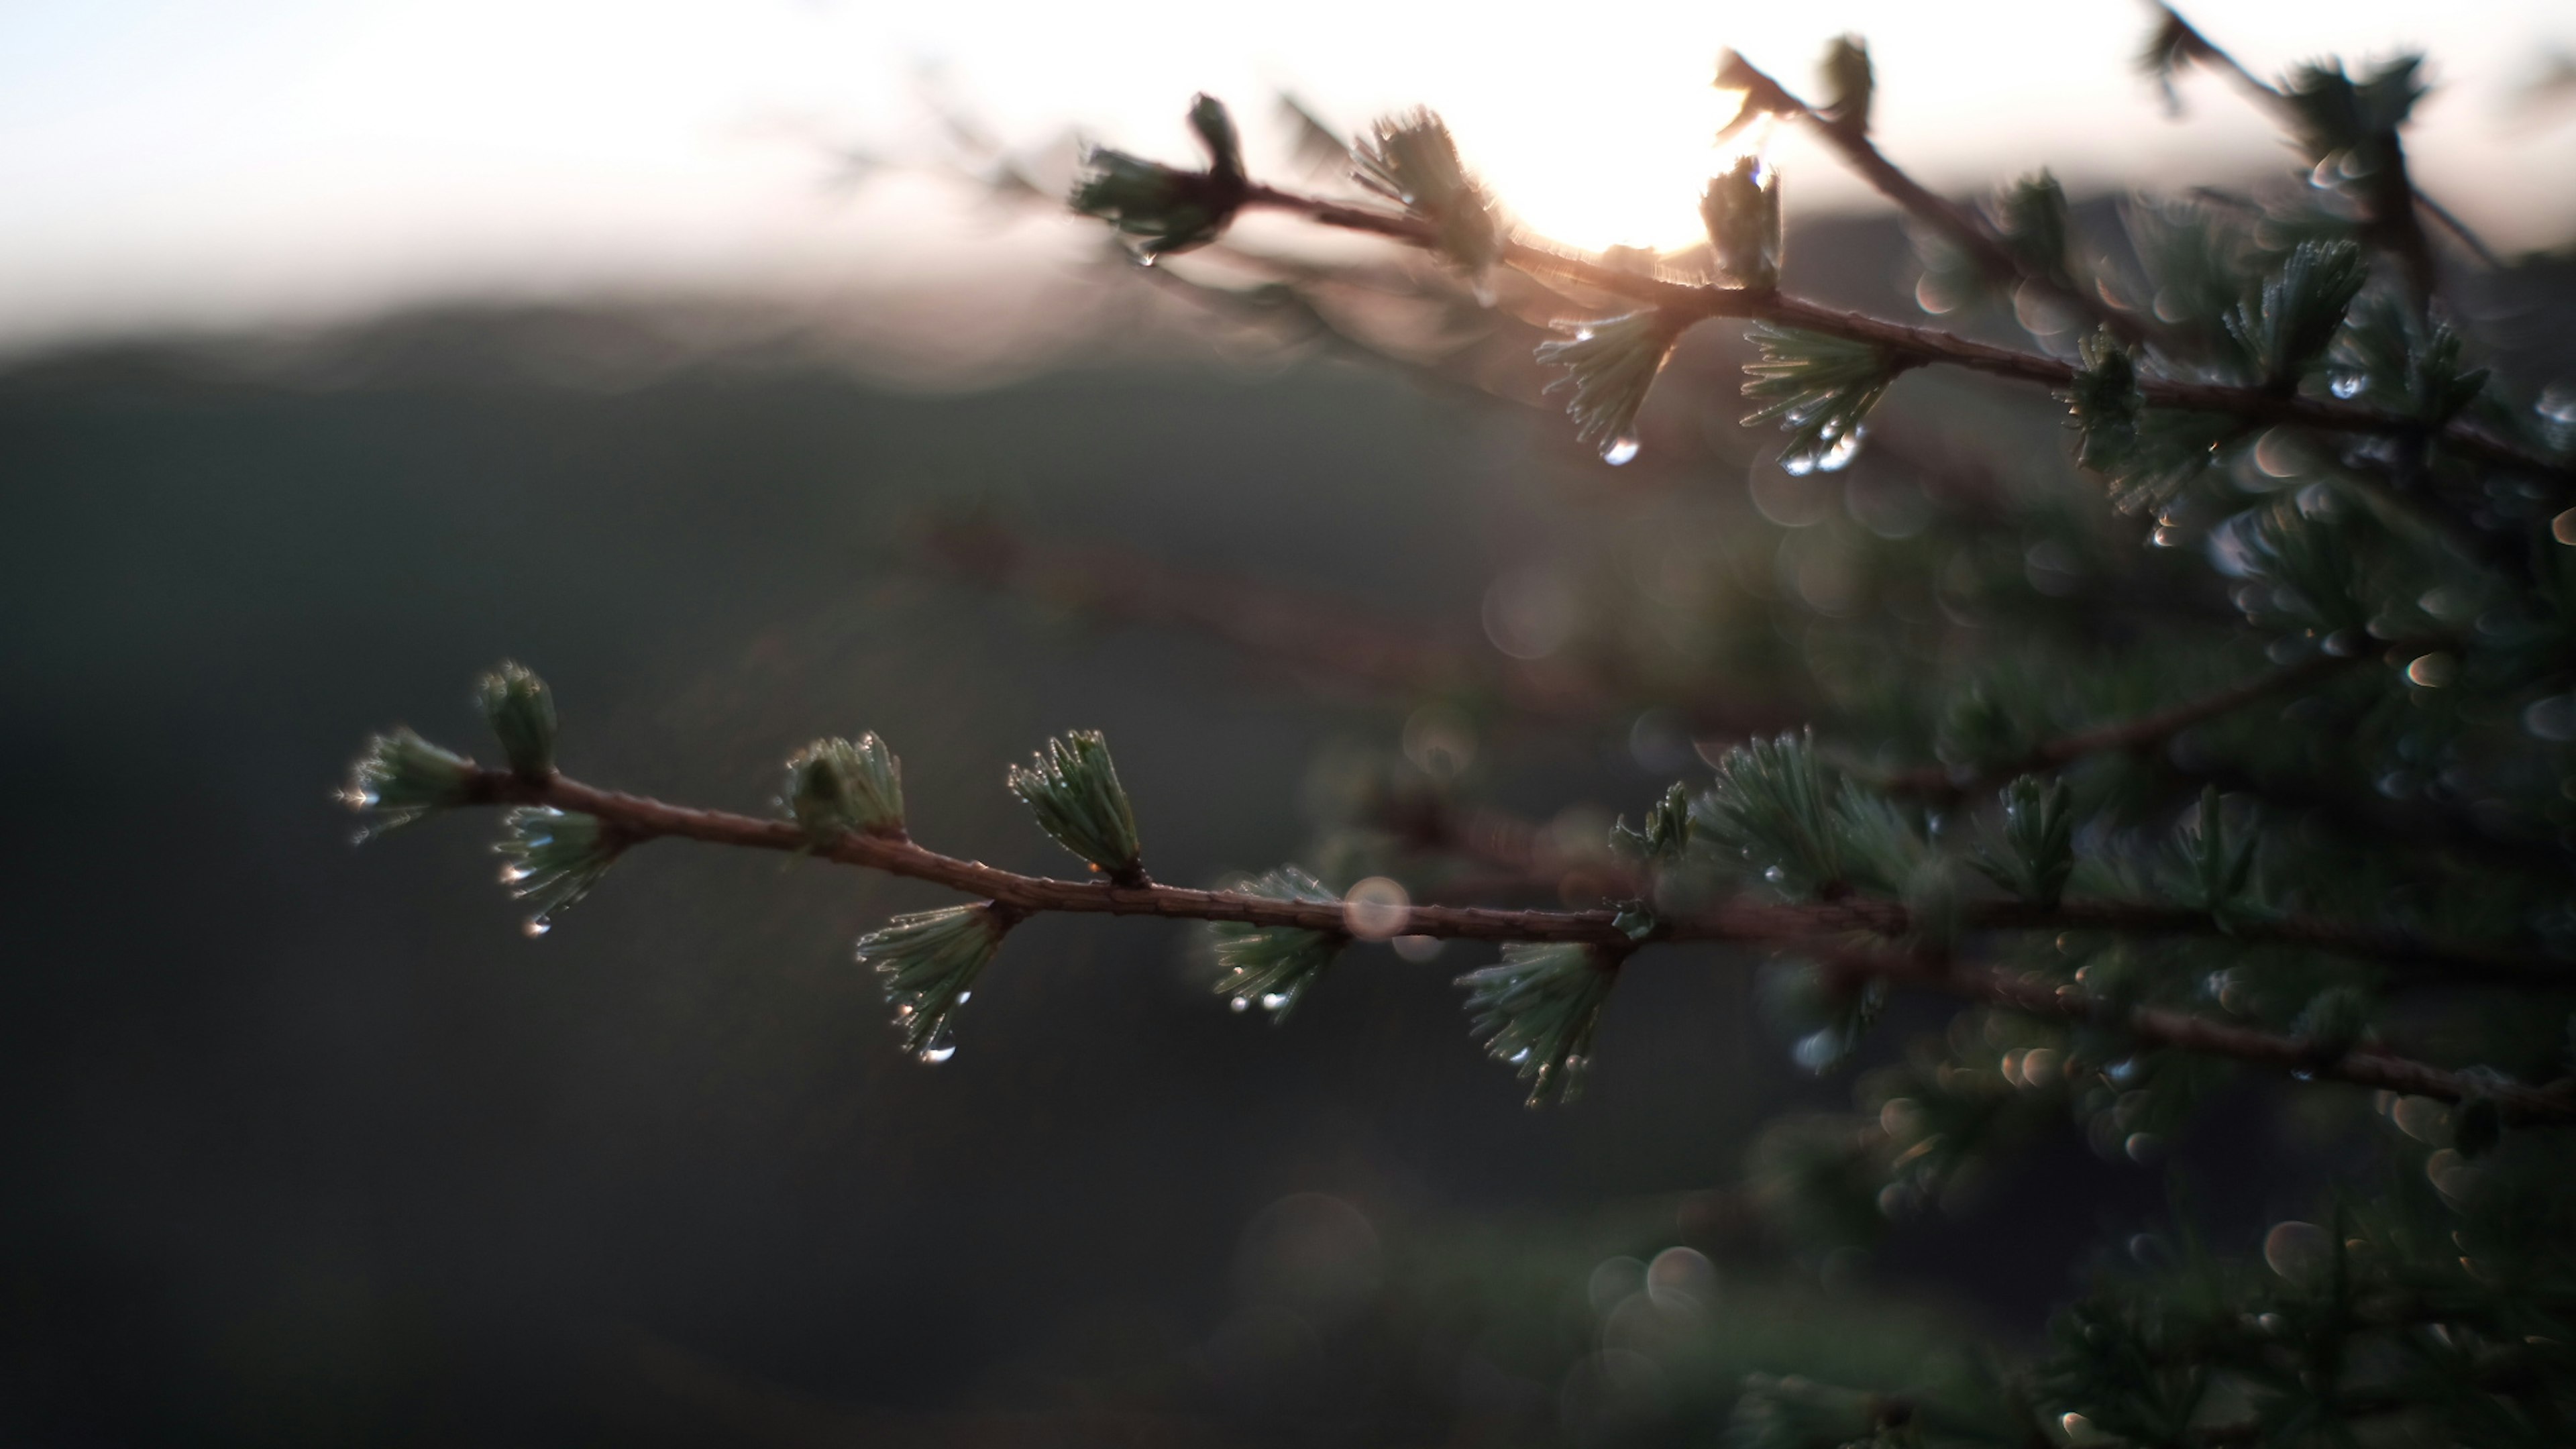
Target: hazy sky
x,y
193,162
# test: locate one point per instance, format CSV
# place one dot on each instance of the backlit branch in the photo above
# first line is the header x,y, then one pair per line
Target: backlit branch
x,y
1846,131
1689,303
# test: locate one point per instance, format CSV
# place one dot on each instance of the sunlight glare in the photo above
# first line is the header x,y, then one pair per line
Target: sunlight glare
x,y
1622,167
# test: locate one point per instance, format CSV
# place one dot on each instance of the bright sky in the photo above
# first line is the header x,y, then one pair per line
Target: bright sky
x,y
198,163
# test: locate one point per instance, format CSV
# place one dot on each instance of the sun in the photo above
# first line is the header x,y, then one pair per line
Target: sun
x,y
1626,170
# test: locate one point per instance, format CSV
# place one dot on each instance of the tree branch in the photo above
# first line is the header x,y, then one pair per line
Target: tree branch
x,y
2144,732
2368,1065
1808,930
1318,637
1917,345
2394,198
1849,139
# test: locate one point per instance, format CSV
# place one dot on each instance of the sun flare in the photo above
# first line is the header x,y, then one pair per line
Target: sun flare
x,y
1622,175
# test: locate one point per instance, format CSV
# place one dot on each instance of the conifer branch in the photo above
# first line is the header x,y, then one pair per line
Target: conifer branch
x,y
630,820
2126,736
2365,1065
1689,303
1316,637
637,818
1846,131
2392,197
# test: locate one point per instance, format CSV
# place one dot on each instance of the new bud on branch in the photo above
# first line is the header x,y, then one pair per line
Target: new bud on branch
x,y
836,786
521,712
1072,788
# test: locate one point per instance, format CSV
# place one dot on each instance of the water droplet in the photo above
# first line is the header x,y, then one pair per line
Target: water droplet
x,y
2347,385
1240,1003
1143,259
2558,404
536,926
1582,334
2302,1074
1774,874
1275,1000
1520,1056
1619,450
1838,457
1798,465
941,1047
513,874
965,996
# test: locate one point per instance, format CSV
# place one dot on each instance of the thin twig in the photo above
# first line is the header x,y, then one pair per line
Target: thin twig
x,y
2126,736
1318,637
1848,137
1809,930
1914,345
2368,1065
2395,198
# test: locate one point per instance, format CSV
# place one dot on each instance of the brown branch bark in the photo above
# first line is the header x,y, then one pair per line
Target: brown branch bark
x,y
2393,198
1316,636
2145,732
1808,930
1849,140
1694,303
2369,1065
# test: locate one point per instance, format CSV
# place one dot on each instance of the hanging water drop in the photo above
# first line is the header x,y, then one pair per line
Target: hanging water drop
x,y
1275,1000
942,1046
1838,456
536,926
2347,385
1798,464
965,996
1240,1003
1619,450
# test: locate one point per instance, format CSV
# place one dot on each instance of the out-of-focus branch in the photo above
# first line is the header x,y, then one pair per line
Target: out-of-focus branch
x,y
2126,736
2367,1065
1910,345
1318,637
2394,197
